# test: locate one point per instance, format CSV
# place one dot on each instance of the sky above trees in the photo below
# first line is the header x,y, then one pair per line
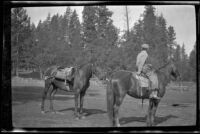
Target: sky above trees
x,y
181,17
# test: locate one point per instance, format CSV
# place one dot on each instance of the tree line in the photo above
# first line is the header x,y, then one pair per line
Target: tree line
x,y
63,40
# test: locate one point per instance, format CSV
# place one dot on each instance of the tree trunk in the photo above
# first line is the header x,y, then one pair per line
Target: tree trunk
x,y
17,64
127,21
16,72
40,71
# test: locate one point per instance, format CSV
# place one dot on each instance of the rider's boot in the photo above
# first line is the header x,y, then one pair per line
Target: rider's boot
x,y
154,94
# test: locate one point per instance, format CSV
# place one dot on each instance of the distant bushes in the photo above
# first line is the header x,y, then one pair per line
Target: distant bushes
x,y
33,75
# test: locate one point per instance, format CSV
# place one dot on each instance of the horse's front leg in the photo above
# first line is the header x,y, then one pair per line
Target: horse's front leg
x,y
153,105
116,116
76,106
149,113
82,94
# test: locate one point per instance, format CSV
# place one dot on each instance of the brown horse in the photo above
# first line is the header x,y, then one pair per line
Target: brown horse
x,y
78,83
81,83
123,82
52,84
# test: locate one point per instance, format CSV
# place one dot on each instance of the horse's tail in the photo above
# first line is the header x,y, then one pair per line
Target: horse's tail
x,y
110,101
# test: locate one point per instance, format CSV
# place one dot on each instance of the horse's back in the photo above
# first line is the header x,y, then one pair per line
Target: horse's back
x,y
120,74
121,79
49,71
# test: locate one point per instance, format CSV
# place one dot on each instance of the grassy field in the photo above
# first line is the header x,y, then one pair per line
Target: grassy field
x,y
177,107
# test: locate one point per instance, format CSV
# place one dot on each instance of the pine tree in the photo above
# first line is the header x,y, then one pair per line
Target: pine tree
x,y
20,31
107,35
192,63
65,24
184,63
161,40
75,36
89,24
103,20
171,39
138,35
177,56
149,26
75,30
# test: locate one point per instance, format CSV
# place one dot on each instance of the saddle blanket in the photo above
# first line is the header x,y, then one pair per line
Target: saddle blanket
x,y
144,82
63,73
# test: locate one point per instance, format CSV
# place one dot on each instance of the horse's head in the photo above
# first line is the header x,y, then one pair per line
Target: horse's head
x,y
172,70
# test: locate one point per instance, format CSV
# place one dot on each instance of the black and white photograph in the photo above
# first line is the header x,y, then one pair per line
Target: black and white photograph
x,y
79,66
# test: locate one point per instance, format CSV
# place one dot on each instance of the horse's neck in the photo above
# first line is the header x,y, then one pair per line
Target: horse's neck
x,y
163,77
84,69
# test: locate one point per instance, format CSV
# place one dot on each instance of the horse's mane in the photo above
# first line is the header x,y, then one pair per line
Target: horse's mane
x,y
83,65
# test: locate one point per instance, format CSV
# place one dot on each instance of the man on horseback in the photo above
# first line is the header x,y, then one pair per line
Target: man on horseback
x,y
146,69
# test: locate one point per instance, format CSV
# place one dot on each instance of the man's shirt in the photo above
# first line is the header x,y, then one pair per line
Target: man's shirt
x,y
141,58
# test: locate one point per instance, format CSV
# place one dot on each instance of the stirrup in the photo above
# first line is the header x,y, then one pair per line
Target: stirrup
x,y
157,98
154,96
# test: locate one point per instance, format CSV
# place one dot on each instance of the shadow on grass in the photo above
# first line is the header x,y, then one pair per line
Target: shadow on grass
x,y
158,120
23,95
93,94
86,112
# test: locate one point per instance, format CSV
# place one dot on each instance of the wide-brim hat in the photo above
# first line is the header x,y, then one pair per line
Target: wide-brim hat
x,y
145,46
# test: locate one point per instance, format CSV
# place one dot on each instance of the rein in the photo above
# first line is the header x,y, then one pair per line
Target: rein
x,y
163,66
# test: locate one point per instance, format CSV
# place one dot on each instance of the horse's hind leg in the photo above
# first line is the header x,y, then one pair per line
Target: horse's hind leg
x,y
44,94
118,102
149,113
153,104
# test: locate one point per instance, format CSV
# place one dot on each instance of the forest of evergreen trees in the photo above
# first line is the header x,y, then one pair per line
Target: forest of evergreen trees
x,y
63,40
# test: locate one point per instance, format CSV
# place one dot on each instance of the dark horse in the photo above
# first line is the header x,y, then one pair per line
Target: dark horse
x,y
78,84
123,82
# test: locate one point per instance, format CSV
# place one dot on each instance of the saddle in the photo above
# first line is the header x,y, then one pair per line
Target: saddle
x,y
142,80
62,73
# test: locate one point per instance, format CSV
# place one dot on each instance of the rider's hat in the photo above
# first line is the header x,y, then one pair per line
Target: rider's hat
x,y
145,46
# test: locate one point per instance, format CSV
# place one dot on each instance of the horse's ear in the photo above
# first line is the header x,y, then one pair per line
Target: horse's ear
x,y
171,58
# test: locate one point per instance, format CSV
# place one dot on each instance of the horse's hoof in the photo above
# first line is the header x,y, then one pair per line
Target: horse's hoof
x,y
53,112
149,125
76,118
82,117
118,125
59,113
